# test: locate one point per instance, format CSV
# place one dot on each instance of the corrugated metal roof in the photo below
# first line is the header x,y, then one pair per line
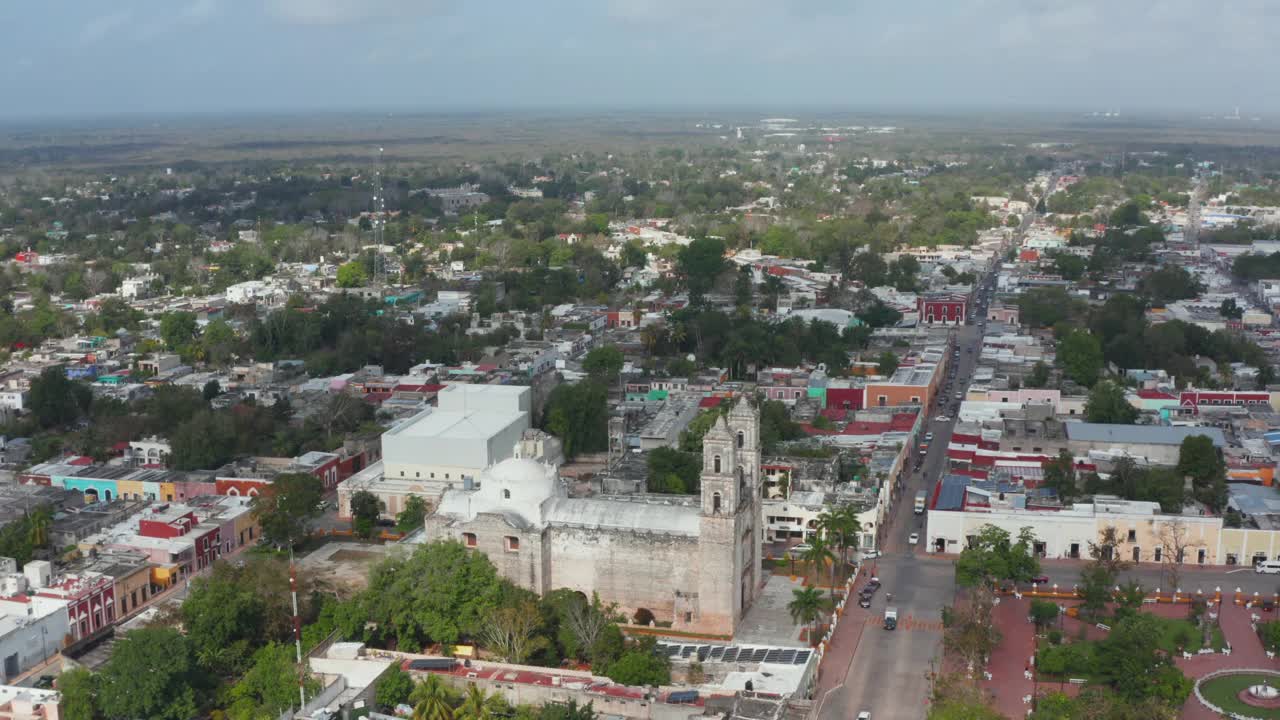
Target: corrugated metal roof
x,y
1139,434
951,494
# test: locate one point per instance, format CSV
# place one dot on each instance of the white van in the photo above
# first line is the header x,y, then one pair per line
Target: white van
x,y
1268,566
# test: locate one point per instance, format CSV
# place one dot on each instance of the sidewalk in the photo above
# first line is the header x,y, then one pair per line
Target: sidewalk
x,y
1008,666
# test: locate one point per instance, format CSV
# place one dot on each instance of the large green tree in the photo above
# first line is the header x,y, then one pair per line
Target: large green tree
x,y
352,275
224,621
152,674
1137,668
700,263
1107,404
673,471
994,556
286,507
578,414
55,400
1200,459
178,330
1081,357
605,361
365,510
79,688
270,686
413,514
439,594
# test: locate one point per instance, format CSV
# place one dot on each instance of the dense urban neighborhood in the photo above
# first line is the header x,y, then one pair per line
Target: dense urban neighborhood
x,y
786,419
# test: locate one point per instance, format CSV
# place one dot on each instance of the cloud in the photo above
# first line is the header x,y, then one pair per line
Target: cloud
x,y
100,27
342,12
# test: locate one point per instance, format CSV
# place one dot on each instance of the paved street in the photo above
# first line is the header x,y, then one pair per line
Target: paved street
x,y
1067,573
869,668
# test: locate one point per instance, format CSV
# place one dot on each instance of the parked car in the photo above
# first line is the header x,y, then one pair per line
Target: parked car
x,y
1040,579
864,715
873,584
798,550
913,538
864,600
942,418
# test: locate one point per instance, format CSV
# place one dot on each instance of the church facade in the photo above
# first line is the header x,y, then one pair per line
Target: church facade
x,y
692,560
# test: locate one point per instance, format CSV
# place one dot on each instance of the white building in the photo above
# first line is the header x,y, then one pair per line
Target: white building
x,y
254,291
31,628
137,288
26,703
962,508
472,427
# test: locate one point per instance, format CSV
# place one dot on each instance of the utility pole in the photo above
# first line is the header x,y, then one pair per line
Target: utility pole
x,y
297,631
379,224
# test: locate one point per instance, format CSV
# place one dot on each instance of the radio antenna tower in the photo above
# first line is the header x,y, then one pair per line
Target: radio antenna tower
x,y
379,224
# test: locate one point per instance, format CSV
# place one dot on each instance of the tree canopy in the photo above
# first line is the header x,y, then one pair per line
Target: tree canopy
x,y
285,507
994,556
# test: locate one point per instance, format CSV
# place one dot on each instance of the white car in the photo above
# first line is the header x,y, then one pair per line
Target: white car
x,y
913,538
864,715
798,550
942,418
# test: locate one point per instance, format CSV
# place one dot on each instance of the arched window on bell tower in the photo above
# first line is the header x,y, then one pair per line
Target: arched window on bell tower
x,y
742,439
715,503
715,464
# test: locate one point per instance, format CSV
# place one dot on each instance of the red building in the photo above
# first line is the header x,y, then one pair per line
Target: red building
x,y
624,318
1190,401
206,539
90,602
847,398
942,309
242,487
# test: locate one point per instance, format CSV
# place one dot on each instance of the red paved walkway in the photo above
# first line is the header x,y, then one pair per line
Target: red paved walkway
x,y
844,643
1246,652
1008,665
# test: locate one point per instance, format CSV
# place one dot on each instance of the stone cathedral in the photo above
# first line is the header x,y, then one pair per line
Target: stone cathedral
x,y
691,560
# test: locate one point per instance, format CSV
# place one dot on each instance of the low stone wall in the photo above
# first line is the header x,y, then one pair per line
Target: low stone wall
x,y
1224,673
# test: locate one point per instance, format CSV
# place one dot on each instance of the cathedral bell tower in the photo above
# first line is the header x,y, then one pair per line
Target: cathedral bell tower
x,y
730,537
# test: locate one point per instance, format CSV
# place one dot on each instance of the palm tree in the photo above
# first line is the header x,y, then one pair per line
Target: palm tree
x,y
39,519
805,608
431,700
476,705
819,553
650,336
846,529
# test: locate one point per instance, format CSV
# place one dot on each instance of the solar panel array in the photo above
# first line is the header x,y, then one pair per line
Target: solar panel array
x,y
734,653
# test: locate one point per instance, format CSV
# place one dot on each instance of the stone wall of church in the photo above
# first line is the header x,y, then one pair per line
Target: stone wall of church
x,y
635,570
517,554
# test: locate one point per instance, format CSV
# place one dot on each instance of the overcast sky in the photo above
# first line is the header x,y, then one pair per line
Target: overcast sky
x,y
88,57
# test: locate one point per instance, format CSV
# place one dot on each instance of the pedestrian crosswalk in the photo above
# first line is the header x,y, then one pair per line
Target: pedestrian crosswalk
x,y
909,623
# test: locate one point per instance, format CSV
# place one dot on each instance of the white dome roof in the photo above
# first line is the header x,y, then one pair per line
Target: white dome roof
x,y
527,481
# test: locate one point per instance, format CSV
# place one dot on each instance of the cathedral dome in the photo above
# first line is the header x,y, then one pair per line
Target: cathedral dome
x,y
517,487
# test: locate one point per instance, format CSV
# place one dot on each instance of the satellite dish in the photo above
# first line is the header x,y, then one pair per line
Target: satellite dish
x,y
691,357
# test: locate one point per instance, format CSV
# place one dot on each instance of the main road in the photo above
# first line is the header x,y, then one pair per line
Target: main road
x,y
888,674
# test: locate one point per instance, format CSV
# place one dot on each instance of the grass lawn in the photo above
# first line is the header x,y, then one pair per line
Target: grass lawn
x,y
1222,692
1171,628
1219,640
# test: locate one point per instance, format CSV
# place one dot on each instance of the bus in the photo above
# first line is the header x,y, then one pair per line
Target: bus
x,y
920,503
